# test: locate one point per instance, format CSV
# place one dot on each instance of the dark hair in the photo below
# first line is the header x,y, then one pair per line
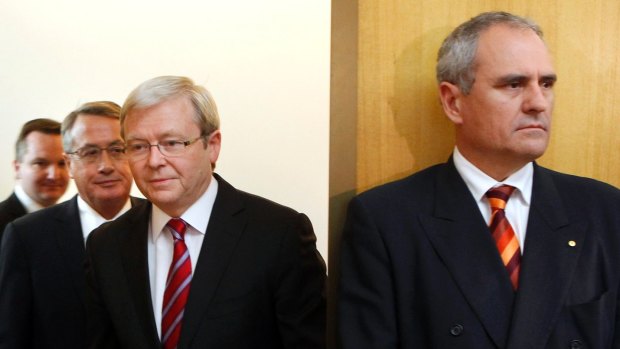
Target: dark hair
x,y
46,126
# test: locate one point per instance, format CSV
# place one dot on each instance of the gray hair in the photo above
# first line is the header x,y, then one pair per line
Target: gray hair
x,y
162,88
456,56
100,108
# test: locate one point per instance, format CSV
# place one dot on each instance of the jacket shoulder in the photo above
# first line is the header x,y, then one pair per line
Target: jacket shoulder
x,y
418,187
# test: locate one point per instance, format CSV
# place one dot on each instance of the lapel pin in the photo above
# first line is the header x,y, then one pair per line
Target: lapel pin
x,y
572,243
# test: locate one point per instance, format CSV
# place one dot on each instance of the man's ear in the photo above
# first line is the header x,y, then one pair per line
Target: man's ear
x,y
68,164
214,143
16,165
451,96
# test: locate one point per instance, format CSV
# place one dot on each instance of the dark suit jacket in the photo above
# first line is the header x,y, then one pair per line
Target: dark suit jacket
x,y
259,280
421,270
10,209
42,280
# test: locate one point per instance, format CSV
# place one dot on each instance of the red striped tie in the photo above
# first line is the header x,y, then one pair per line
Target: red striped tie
x,y
177,286
504,235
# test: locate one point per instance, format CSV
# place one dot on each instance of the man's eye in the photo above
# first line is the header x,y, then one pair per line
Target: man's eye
x,y
547,84
137,147
116,150
171,144
89,152
40,164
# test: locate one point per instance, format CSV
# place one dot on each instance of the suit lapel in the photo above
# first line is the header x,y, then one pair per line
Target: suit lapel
x,y
134,254
226,226
70,242
463,241
15,206
547,265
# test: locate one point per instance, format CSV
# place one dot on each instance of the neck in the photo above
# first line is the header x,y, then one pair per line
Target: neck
x,y
109,209
497,167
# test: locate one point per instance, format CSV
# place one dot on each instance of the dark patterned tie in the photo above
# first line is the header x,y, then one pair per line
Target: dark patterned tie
x,y
177,286
504,235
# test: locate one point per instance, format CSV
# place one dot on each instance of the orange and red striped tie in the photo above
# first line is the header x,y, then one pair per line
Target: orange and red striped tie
x,y
177,286
505,238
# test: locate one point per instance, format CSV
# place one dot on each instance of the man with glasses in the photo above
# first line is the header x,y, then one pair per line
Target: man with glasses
x,y
203,265
40,171
41,264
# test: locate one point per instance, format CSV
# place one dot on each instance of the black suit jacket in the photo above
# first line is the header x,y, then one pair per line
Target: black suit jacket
x,y
42,280
10,209
421,270
259,281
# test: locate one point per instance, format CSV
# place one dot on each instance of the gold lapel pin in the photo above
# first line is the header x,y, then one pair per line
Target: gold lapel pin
x,y
572,243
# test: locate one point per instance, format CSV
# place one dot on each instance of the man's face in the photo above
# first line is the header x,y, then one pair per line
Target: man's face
x,y
42,171
172,183
505,120
105,181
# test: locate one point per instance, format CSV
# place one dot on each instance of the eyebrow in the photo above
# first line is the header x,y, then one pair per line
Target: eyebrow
x,y
550,77
510,78
115,142
167,134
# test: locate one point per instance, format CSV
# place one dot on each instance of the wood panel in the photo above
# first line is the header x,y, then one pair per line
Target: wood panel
x,y
401,127
386,120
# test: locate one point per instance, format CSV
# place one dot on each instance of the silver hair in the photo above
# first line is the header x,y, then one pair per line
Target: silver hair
x,y
456,56
162,88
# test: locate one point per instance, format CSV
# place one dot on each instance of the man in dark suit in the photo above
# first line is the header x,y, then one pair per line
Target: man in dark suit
x,y
421,267
40,171
42,282
205,265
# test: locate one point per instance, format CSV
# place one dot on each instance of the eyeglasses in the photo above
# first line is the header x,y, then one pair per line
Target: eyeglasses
x,y
138,150
92,154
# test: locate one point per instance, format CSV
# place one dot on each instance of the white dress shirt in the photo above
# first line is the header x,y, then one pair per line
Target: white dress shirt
x,y
161,244
91,219
517,208
29,204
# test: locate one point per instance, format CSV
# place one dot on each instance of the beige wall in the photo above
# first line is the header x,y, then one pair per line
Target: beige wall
x,y
385,105
401,127
266,63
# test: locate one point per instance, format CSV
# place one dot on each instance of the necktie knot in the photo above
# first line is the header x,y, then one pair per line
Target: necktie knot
x,y
498,196
178,227
503,234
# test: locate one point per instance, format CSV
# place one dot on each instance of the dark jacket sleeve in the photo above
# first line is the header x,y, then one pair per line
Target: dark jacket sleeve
x,y
300,296
15,292
366,307
100,333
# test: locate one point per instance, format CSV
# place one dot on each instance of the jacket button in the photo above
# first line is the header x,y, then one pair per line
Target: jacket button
x,y
456,330
576,344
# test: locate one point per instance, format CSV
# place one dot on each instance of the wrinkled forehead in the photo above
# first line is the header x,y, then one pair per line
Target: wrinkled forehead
x,y
174,118
504,49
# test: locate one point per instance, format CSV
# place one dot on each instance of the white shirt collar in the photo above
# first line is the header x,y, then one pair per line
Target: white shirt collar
x,y
479,183
91,219
29,204
197,215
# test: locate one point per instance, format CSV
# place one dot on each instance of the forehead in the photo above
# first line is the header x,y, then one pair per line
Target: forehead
x,y
175,116
95,128
43,145
504,49
40,140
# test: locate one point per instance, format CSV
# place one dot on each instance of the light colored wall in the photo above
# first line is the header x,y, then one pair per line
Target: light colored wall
x,y
401,127
266,63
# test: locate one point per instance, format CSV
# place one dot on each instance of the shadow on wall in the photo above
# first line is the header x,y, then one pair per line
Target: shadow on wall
x,y
418,119
416,109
